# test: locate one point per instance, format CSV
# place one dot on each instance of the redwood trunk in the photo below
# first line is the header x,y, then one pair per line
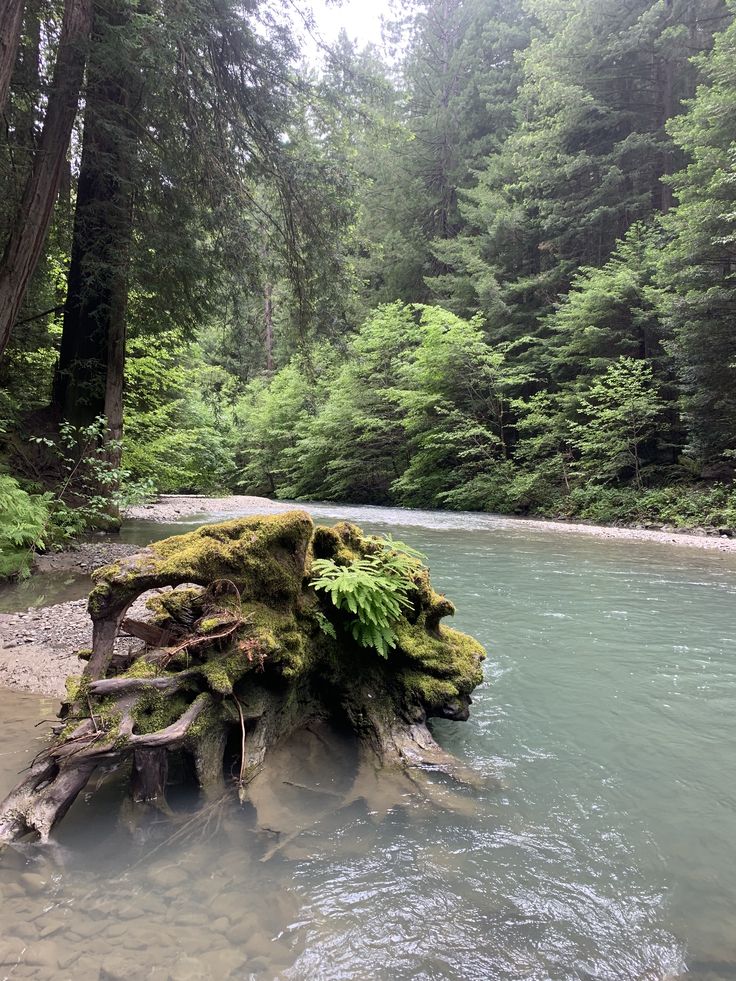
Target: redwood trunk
x,y
11,17
89,379
25,245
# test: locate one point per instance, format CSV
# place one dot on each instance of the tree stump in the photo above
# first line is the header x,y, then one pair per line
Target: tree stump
x,y
243,651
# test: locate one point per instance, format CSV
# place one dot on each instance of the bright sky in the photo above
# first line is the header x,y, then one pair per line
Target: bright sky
x,y
360,18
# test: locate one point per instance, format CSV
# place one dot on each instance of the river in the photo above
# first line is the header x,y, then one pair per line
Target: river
x,y
607,852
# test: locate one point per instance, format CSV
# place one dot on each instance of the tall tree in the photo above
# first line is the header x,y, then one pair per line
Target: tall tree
x,y
11,18
28,233
89,377
699,266
588,154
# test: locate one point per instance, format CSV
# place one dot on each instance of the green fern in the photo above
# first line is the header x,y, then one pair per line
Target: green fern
x,y
23,522
374,589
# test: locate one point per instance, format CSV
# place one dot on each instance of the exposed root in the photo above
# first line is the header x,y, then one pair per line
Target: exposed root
x,y
239,649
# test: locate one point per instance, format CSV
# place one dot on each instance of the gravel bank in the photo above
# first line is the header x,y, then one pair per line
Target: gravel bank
x,y
84,558
173,507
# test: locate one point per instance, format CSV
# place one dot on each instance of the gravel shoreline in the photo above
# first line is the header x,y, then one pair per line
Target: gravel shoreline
x,y
175,507
38,646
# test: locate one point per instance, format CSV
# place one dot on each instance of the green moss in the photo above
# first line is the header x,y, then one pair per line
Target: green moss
x,y
176,605
141,668
156,710
84,653
448,655
211,624
430,690
209,719
222,673
264,556
328,544
75,687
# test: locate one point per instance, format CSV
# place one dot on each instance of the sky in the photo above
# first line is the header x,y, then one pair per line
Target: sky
x,y
360,18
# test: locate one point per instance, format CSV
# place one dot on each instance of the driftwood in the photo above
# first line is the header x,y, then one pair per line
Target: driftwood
x,y
236,655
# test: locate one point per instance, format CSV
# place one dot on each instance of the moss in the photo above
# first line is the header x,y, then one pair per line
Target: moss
x,y
76,687
156,710
328,544
264,556
211,624
84,653
222,673
176,605
448,655
209,719
141,668
433,692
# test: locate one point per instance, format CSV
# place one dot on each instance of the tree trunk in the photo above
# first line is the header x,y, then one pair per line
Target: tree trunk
x,y
25,245
89,377
11,18
268,318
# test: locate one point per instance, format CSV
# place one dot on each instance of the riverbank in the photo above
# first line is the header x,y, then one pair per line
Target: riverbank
x,y
172,508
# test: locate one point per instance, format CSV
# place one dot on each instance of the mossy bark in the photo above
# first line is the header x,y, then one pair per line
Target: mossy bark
x,y
237,653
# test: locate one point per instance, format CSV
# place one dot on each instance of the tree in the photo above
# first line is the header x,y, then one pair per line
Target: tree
x,y
10,26
25,244
619,415
587,155
698,271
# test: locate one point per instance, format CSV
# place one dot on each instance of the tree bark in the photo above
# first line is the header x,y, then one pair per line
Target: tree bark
x,y
89,377
11,18
268,318
25,245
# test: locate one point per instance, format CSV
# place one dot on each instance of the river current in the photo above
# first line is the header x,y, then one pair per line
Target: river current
x,y
602,847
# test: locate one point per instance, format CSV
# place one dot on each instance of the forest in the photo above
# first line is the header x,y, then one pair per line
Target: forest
x,y
490,266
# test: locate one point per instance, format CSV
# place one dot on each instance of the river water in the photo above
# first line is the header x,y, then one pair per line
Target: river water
x,y
608,851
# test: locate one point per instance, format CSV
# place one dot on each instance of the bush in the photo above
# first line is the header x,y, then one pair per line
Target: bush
x,y
684,506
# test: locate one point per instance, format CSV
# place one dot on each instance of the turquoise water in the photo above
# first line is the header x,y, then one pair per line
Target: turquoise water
x,y
608,852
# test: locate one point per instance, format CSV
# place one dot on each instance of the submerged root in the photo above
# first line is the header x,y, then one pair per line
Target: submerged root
x,y
237,656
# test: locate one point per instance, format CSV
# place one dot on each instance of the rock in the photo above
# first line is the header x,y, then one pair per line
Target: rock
x,y
33,883
167,877
44,953
115,968
52,926
225,961
68,957
189,968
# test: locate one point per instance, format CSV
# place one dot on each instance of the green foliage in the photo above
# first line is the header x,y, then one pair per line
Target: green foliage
x,y
699,263
91,489
290,234
177,434
23,523
374,589
619,414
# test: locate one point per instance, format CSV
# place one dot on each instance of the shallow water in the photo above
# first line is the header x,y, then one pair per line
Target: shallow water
x,y
607,854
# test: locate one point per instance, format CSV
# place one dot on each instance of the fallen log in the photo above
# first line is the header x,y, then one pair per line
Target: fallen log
x,y
251,643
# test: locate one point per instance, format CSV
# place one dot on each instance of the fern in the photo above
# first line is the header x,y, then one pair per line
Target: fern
x,y
374,589
23,522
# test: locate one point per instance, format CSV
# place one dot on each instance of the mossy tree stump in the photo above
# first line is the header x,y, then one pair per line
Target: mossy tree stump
x,y
239,649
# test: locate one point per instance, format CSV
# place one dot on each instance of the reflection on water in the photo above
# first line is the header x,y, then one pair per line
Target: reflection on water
x,y
43,589
608,854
